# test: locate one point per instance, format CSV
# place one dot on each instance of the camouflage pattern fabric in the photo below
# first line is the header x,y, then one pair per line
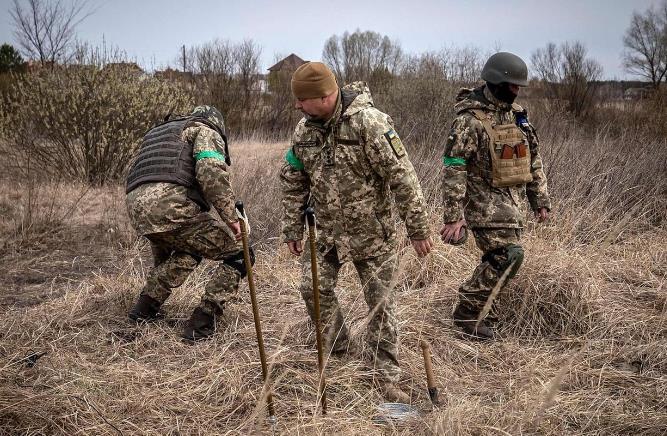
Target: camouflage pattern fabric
x,y
161,207
495,215
346,169
376,275
468,192
180,233
177,253
474,292
334,330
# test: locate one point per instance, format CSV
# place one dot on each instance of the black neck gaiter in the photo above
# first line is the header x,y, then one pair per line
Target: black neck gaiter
x,y
502,92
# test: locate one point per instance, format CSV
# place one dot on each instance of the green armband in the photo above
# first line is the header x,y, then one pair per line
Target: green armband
x,y
453,161
293,161
209,154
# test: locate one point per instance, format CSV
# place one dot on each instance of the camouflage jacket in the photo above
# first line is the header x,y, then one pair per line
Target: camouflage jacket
x,y
346,169
468,193
161,207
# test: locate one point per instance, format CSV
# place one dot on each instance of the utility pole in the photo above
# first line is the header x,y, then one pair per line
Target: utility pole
x,y
183,51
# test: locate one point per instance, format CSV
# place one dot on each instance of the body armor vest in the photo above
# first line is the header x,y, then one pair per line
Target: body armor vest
x,y
164,157
510,155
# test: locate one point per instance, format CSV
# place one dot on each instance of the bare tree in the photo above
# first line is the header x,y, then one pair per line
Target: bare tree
x,y
247,54
568,75
215,58
361,55
462,65
45,29
226,75
645,44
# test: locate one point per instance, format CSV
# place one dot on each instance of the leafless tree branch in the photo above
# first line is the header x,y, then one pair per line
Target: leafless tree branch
x,y
45,29
645,44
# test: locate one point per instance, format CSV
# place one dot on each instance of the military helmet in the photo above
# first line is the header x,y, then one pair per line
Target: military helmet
x,y
211,114
505,67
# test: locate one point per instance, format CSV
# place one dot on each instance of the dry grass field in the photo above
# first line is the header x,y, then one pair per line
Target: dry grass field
x,y
583,327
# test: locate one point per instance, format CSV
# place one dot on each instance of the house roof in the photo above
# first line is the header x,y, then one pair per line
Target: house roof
x,y
131,66
290,62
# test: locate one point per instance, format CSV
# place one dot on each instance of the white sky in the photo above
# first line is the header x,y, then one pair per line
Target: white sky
x,y
152,31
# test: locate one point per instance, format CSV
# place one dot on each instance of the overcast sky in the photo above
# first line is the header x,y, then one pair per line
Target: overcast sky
x,y
152,31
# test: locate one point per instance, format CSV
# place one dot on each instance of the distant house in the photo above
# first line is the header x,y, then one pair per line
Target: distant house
x,y
290,63
636,93
132,67
81,68
171,74
260,83
279,74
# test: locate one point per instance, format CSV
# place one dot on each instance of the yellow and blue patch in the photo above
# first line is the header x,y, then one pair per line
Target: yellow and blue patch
x,y
395,142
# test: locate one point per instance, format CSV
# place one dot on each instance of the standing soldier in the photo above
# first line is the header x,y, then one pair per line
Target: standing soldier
x,y
180,171
492,163
345,160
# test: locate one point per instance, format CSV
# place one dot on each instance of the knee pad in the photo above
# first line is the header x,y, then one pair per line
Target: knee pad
x,y
237,262
496,258
502,258
514,255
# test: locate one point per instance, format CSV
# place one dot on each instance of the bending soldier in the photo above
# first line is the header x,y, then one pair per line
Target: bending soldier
x,y
345,160
492,165
180,172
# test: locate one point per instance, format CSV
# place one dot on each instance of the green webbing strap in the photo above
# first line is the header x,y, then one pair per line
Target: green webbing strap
x,y
453,161
210,153
293,161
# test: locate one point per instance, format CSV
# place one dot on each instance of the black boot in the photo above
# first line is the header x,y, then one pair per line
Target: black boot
x,y
146,309
200,326
466,320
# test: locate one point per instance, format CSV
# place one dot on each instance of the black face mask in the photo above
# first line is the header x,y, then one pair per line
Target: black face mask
x,y
502,92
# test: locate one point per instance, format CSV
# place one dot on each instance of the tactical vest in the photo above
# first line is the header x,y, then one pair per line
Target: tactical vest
x,y
510,155
164,157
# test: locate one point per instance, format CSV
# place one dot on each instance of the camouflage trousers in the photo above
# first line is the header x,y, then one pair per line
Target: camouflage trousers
x,y
474,292
377,280
177,253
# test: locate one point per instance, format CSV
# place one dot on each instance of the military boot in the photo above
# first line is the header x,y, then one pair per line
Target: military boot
x,y
146,309
394,394
466,320
200,326
340,345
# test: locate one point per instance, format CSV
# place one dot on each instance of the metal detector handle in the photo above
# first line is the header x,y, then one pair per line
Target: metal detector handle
x,y
428,365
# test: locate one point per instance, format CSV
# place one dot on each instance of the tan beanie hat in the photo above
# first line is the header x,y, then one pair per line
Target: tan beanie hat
x,y
313,80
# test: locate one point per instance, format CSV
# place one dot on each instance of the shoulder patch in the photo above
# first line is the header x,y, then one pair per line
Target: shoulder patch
x,y
395,142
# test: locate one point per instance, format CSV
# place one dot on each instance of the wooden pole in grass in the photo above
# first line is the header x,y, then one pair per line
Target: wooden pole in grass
x,y
321,389
428,366
255,309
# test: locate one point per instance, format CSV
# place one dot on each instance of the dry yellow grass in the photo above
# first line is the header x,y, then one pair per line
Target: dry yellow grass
x,y
583,326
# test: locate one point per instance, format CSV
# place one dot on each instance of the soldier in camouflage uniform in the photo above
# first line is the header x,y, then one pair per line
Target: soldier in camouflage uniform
x,y
492,166
345,160
180,172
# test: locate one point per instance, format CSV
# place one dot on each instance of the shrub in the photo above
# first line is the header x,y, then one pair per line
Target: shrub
x,y
83,122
